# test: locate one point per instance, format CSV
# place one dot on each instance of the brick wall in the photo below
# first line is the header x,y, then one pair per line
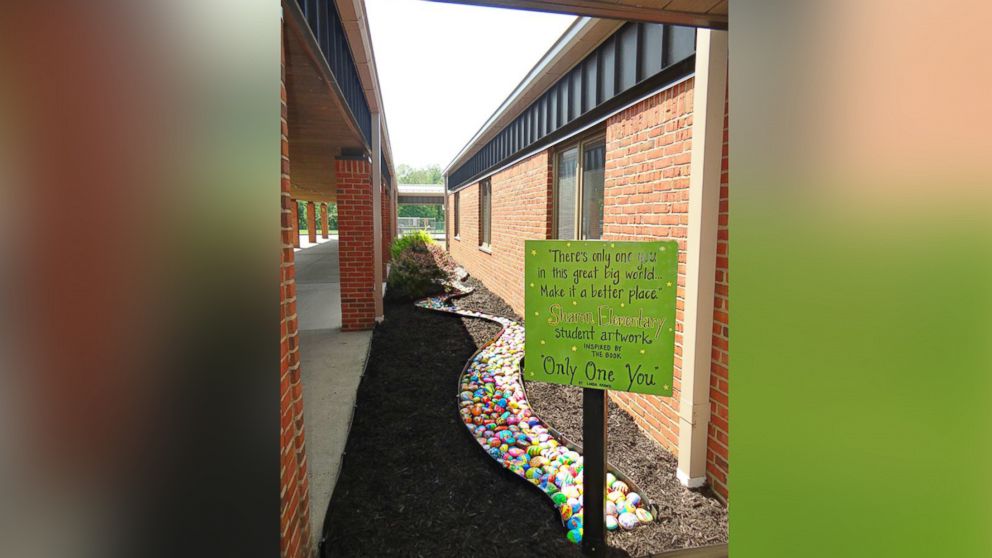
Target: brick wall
x,y
718,442
355,243
294,523
521,206
646,197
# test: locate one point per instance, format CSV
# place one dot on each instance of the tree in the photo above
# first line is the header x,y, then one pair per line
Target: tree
x,y
430,174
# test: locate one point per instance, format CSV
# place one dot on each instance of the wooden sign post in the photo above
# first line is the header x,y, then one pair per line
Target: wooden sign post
x,y
600,315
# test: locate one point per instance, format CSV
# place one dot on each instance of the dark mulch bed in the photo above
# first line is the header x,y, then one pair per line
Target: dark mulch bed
x,y
414,483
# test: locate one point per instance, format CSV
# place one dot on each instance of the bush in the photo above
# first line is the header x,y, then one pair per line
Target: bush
x,y
420,269
417,240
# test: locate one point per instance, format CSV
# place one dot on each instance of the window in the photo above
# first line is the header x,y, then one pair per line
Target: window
x,y
485,213
579,190
457,213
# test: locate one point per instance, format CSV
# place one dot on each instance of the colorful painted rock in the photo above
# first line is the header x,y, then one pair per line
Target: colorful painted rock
x,y
575,535
611,523
574,523
628,521
566,512
615,496
611,508
643,515
634,499
558,498
610,479
621,487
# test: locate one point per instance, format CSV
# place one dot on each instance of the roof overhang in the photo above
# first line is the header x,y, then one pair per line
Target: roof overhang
x,y
355,21
693,13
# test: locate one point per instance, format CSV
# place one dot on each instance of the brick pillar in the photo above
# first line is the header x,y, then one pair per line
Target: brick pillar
x,y
312,222
296,221
295,540
323,220
355,243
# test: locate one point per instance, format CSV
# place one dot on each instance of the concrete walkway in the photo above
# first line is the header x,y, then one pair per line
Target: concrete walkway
x,y
332,363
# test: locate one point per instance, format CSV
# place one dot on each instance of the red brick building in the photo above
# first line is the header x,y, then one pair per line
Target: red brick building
x,y
618,133
335,148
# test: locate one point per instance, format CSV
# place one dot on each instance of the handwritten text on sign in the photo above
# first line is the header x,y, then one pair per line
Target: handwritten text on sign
x,y
601,314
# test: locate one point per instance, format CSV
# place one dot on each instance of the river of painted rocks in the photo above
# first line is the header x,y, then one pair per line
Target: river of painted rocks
x,y
493,405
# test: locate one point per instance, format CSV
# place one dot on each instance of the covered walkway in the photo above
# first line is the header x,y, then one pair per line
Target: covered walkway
x,y
332,362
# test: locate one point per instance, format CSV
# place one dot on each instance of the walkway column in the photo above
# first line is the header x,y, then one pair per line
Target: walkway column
x,y
377,210
704,207
356,242
323,220
312,222
296,223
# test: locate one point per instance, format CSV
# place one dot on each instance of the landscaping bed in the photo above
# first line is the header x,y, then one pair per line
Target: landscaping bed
x,y
413,481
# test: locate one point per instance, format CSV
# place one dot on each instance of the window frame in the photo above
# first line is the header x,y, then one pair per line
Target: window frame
x,y
579,143
485,210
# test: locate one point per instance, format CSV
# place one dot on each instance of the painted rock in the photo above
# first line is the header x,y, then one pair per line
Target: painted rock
x,y
558,498
576,504
611,523
615,496
610,479
495,453
621,487
574,523
575,535
566,512
628,521
515,452
634,499
611,508
624,507
571,492
643,515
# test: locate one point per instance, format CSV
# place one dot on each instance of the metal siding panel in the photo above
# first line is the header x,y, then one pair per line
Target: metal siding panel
x,y
607,70
576,95
652,44
627,58
680,43
591,79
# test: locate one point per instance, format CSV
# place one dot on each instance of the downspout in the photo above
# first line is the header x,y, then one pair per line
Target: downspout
x,y
377,213
709,95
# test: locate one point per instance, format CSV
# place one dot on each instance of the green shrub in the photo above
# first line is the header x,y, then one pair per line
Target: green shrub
x,y
418,270
417,240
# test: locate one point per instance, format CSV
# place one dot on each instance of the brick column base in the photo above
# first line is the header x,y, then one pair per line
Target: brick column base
x,y
355,244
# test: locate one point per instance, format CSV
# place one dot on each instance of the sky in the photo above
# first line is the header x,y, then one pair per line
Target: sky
x,y
445,68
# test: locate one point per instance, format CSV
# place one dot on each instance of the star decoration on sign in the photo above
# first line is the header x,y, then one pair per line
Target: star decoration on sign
x,y
642,351
665,387
574,303
542,341
532,284
574,348
668,284
533,252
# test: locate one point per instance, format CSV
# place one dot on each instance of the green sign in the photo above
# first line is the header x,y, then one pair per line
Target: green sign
x,y
601,314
